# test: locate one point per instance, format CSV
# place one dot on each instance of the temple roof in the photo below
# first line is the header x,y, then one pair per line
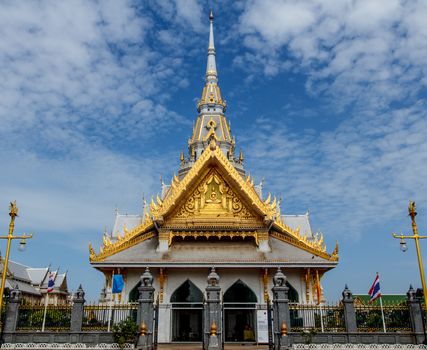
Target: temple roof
x,y
32,280
211,198
299,222
123,221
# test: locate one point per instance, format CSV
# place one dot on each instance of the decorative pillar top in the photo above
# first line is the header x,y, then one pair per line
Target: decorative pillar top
x,y
147,278
15,294
213,278
347,295
279,279
411,294
79,295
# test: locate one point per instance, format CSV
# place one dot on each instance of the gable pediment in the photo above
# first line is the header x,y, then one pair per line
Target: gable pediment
x,y
212,189
213,201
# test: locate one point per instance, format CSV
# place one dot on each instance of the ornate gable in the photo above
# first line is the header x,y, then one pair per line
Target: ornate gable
x,y
213,198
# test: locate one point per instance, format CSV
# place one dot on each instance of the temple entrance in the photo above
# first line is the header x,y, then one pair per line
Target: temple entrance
x,y
187,313
239,313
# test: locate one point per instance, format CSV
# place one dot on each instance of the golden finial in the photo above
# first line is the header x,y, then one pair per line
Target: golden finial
x,y
143,329
412,209
159,200
335,252
241,157
182,158
13,209
283,329
214,328
91,252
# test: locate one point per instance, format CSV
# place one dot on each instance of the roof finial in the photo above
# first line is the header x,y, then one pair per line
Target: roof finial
x,y
211,73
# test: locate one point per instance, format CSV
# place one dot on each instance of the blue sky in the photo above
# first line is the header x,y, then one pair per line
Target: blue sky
x,y
326,99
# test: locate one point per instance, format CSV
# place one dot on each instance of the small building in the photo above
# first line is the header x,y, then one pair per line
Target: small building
x,y
213,214
32,282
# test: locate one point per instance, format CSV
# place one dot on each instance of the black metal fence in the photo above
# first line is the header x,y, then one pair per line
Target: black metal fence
x,y
396,318
303,317
320,318
30,317
97,317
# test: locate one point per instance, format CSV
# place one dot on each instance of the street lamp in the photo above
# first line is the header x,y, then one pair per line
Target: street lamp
x,y
13,214
416,237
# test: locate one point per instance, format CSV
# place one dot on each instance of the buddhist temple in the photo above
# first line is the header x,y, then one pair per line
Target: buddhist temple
x,y
212,214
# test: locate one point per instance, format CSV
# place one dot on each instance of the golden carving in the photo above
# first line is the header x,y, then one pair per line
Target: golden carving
x,y
217,234
265,284
92,253
213,197
335,252
162,279
307,286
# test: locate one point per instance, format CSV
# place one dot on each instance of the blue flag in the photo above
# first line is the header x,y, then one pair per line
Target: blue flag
x,y
118,283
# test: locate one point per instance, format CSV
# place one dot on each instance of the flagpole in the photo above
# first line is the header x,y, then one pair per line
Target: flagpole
x,y
382,313
45,311
111,303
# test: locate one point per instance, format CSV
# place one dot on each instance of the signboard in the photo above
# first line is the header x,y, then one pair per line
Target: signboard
x,y
262,326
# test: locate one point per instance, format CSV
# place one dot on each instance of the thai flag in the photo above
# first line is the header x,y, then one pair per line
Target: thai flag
x,y
51,282
375,291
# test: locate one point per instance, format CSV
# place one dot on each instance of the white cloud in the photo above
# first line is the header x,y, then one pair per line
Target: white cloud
x,y
350,50
361,174
81,68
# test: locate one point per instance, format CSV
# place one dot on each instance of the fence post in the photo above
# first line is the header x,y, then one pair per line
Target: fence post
x,y
281,315
212,333
12,311
77,311
415,312
349,311
145,316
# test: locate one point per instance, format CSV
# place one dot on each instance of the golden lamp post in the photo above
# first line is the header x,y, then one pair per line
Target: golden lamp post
x,y
13,214
416,237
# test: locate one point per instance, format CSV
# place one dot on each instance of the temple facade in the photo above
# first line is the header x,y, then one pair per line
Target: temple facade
x,y
213,215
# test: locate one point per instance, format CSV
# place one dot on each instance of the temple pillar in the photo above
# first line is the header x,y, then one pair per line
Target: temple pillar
x,y
349,311
11,318
281,315
212,333
416,314
145,316
77,312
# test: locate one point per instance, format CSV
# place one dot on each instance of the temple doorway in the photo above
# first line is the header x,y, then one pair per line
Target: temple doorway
x,y
187,313
239,313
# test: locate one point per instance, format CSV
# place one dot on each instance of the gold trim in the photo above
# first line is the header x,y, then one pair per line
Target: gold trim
x,y
162,280
209,234
303,245
120,246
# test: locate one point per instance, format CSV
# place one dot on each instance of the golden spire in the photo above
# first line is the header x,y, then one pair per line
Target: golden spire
x,y
241,157
182,157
